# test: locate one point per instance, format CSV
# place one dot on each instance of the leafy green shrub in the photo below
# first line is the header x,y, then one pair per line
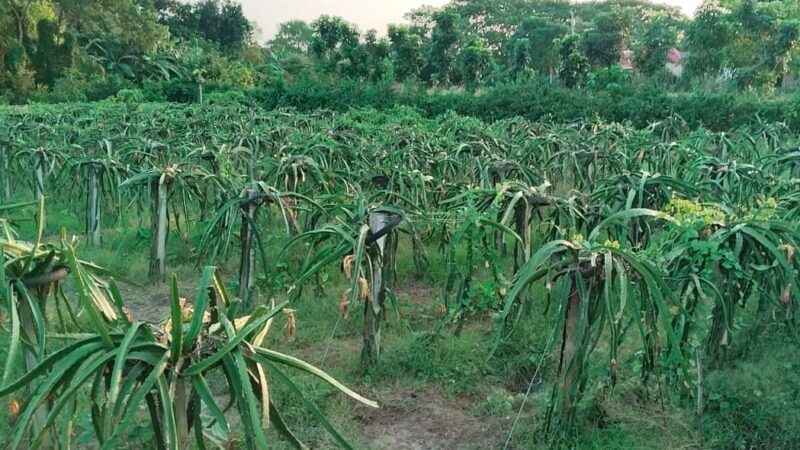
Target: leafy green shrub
x,y
103,88
609,95
266,97
130,96
606,98
70,88
180,91
153,92
226,98
612,78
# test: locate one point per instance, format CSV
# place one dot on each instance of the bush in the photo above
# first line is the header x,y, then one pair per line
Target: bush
x,y
180,90
130,96
153,92
103,88
226,98
613,78
609,96
69,88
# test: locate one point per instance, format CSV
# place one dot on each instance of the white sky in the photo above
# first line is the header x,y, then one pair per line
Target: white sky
x,y
364,13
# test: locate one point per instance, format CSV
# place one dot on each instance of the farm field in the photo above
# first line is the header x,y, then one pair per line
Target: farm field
x,y
510,284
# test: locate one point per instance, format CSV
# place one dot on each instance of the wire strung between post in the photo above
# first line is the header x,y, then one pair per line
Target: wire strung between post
x,y
330,340
530,388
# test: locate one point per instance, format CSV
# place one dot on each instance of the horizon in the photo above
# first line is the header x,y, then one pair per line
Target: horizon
x,y
365,14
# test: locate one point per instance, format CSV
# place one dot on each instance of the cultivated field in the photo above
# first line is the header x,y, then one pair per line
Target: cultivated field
x,y
190,275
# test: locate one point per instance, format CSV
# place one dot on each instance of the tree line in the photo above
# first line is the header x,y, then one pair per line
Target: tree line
x,y
61,50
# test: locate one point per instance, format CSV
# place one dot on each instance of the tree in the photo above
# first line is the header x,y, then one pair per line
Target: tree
x,y
496,21
603,44
234,30
19,10
661,35
777,57
422,20
377,56
532,46
294,37
15,19
475,63
756,39
406,52
443,48
333,41
574,65
130,23
221,22
50,57
706,37
520,59
336,46
768,33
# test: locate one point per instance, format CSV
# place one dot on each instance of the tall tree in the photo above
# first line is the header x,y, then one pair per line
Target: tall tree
x,y
755,39
20,12
52,53
574,65
706,37
651,51
475,63
222,22
603,44
532,46
131,23
377,56
335,44
422,20
443,48
406,52
293,37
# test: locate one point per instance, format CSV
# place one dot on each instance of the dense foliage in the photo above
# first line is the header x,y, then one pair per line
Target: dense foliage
x,y
57,51
661,247
611,97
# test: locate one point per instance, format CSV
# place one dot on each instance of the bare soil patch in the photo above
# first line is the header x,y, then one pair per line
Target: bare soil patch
x,y
152,303
425,419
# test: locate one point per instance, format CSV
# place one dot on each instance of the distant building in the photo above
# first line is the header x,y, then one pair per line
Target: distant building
x,y
626,60
673,61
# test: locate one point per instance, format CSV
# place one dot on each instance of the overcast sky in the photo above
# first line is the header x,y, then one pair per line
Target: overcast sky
x,y
364,13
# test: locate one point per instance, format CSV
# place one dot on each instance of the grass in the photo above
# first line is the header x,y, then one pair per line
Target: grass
x,y
5,417
754,404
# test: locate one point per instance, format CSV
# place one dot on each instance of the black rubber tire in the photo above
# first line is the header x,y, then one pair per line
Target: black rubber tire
x,y
393,222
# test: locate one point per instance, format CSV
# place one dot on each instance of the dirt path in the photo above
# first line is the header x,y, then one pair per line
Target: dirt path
x,y
422,418
152,303
426,420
